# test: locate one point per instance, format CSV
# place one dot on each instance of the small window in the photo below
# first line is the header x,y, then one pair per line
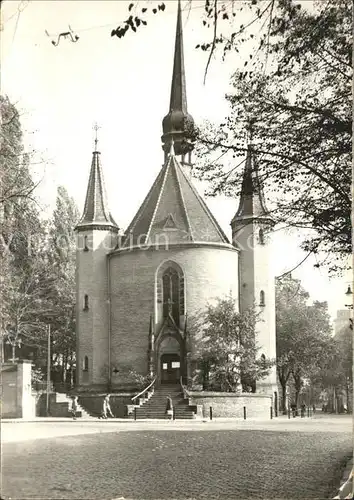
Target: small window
x,y
261,299
86,249
164,366
175,364
261,237
85,364
86,303
263,360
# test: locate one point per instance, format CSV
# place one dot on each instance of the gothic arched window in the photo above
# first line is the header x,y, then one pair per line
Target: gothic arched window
x,y
261,298
172,294
85,364
263,361
261,236
86,302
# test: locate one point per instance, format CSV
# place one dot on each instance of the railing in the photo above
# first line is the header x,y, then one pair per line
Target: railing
x,y
143,391
184,388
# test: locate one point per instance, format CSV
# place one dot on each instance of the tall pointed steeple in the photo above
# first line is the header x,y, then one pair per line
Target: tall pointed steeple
x,y
252,203
96,214
178,123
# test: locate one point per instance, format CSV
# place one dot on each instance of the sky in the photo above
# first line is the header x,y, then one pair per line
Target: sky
x,y
124,86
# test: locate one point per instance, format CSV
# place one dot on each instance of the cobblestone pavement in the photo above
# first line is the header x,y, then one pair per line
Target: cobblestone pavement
x,y
41,428
175,463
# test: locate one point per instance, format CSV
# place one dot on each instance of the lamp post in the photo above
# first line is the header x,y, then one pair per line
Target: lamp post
x,y
349,295
48,372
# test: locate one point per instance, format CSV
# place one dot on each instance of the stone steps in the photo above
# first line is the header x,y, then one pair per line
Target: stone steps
x,y
155,407
64,399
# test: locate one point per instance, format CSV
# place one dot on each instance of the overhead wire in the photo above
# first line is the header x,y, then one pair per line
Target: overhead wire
x,y
110,25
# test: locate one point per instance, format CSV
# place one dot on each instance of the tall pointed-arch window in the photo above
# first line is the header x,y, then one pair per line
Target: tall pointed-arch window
x,y
261,298
261,236
85,364
173,294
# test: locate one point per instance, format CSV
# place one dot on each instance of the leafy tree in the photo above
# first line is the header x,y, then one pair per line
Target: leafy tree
x,y
61,257
37,257
22,276
15,180
300,110
304,343
227,352
336,376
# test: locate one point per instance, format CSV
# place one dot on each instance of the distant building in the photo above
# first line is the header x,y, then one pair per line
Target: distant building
x,y
342,320
136,291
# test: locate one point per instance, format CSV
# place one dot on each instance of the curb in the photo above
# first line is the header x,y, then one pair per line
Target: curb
x,y
346,489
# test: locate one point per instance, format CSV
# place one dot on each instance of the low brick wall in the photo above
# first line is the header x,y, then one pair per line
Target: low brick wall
x,y
93,404
227,404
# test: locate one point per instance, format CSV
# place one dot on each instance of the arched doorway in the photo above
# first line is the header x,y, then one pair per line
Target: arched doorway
x,y
169,360
170,368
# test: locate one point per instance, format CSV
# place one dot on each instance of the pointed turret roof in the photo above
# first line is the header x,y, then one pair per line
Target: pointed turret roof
x,y
252,203
178,98
96,213
178,123
173,208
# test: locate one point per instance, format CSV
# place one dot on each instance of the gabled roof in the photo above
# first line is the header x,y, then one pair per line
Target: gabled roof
x,y
252,203
173,208
96,212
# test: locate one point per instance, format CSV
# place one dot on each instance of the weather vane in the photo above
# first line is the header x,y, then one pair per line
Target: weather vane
x,y
67,35
96,128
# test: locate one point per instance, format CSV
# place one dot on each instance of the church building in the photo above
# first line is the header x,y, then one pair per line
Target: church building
x,y
136,292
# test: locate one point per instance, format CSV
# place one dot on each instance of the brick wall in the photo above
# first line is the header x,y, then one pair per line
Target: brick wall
x,y
227,404
256,275
92,324
93,404
209,272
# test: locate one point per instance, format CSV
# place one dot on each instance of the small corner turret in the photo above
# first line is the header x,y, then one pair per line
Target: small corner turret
x,y
252,205
96,214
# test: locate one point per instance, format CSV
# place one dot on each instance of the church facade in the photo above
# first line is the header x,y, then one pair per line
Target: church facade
x,y
136,292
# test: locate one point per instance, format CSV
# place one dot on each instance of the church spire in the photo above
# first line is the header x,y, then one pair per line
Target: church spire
x,y
96,214
178,123
252,203
178,100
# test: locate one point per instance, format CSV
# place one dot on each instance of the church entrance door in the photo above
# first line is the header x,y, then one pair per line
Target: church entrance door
x,y
170,368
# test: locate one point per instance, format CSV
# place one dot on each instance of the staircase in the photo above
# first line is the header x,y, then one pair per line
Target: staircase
x,y
155,407
64,399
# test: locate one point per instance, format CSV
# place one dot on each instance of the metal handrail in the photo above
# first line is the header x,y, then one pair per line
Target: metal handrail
x,y
144,390
184,389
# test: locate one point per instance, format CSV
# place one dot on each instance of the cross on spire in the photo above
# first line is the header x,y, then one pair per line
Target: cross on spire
x,y
96,128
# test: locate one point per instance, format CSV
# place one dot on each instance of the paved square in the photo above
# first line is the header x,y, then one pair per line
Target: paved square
x,y
177,463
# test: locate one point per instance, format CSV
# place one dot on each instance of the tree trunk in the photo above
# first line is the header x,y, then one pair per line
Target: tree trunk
x,y
2,350
71,371
65,361
283,376
298,381
283,398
